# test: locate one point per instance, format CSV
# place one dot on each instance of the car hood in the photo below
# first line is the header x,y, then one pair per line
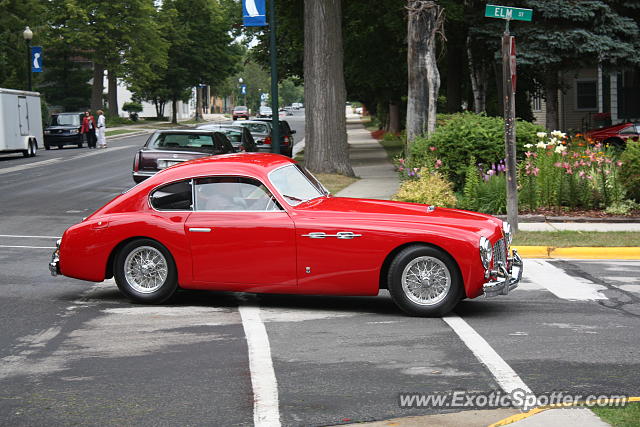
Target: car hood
x,y
608,129
402,212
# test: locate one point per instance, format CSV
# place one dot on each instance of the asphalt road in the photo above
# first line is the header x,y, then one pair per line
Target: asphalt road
x,y
74,352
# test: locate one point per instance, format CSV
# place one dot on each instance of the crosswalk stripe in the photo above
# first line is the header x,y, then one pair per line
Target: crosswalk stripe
x,y
561,284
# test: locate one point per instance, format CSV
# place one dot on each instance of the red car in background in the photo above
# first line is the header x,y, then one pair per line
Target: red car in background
x,y
261,223
240,111
616,135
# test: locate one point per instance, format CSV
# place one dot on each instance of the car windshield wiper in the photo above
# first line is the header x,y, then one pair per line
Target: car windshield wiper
x,y
295,199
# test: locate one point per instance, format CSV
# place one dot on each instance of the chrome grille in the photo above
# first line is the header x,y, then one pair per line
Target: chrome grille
x,y
499,253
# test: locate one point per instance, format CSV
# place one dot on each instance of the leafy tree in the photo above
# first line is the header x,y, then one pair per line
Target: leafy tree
x,y
290,92
200,50
15,15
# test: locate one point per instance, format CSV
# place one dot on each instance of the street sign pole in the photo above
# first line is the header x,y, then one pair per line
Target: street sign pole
x,y
508,96
275,131
508,100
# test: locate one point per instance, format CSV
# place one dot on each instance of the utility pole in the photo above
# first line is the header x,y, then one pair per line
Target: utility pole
x,y
275,131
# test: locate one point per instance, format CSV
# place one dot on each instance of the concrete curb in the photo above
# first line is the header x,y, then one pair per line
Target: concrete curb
x,y
579,252
578,219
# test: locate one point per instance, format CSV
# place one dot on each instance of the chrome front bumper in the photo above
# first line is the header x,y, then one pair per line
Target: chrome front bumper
x,y
508,277
54,265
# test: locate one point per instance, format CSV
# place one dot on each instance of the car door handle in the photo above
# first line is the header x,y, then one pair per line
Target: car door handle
x,y
339,235
199,230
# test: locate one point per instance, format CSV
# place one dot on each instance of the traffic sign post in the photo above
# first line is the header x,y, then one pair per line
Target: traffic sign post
x,y
508,100
36,59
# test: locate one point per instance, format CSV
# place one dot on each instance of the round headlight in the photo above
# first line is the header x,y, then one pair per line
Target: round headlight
x,y
508,235
486,252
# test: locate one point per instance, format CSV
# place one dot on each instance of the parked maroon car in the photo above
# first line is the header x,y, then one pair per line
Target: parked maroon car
x,y
616,135
169,147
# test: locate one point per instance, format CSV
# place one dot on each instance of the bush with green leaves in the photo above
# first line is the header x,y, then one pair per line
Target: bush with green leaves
x,y
428,188
132,107
459,136
630,172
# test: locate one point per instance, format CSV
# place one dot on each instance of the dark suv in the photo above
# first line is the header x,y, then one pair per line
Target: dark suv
x,y
64,130
286,136
166,148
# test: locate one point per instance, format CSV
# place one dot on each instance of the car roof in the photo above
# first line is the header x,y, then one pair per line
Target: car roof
x,y
195,131
244,164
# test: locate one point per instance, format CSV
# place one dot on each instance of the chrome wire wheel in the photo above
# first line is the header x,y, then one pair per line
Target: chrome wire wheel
x,y
145,269
426,280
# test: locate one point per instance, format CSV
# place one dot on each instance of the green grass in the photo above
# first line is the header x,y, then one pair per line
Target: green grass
x,y
335,182
118,132
629,416
564,239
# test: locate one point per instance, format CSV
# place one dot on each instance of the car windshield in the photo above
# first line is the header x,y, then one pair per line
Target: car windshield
x,y
183,141
65,120
257,127
240,109
296,184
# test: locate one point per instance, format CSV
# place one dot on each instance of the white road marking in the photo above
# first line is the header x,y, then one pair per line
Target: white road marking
x,y
263,378
506,377
27,247
59,160
29,237
560,283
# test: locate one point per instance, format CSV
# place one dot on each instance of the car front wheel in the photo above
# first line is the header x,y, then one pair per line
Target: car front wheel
x,y
146,272
425,281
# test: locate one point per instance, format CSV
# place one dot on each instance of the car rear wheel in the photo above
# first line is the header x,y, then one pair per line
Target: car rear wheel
x,y
425,281
59,146
146,272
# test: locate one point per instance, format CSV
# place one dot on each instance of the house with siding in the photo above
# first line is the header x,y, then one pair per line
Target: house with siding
x,y
592,98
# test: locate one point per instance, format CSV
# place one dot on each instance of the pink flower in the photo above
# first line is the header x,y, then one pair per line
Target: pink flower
x,y
535,171
528,153
401,161
557,164
569,171
432,148
581,174
618,163
438,163
607,172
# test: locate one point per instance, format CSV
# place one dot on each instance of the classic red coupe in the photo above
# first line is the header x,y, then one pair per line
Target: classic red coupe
x,y
196,226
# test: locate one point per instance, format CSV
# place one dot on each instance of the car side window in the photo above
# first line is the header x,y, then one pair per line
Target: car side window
x,y
173,197
629,129
226,193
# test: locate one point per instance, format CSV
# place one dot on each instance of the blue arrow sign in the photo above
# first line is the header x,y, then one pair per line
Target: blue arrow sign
x,y
36,59
254,13
243,89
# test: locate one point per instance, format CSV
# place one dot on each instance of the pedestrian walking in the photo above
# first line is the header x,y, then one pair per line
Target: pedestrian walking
x,y
88,129
102,127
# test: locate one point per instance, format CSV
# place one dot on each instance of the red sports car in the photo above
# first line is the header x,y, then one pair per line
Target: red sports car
x,y
616,135
193,226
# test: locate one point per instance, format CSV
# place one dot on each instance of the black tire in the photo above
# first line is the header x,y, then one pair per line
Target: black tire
x,y
235,118
47,147
34,148
60,146
443,265
79,144
156,294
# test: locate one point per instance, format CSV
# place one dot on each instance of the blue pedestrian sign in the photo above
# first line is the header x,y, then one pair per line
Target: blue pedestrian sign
x,y
36,59
254,13
243,89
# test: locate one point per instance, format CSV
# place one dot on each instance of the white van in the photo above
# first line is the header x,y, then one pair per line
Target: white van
x,y
20,122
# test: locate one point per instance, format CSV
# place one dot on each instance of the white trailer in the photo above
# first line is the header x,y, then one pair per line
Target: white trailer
x,y
20,122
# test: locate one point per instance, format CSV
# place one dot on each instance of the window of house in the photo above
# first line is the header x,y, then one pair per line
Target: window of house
x,y
173,197
586,94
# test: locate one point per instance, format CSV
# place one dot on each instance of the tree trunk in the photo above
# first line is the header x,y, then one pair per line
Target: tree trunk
x,y
424,22
455,66
174,111
326,147
394,117
479,75
198,104
551,97
113,94
97,87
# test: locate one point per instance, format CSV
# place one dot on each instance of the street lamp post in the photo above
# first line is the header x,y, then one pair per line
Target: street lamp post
x,y
243,92
28,35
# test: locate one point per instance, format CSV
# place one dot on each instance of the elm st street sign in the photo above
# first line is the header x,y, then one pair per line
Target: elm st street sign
x,y
509,13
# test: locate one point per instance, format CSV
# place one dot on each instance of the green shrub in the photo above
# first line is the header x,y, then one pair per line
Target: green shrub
x,y
491,195
464,134
471,184
431,189
630,171
132,107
